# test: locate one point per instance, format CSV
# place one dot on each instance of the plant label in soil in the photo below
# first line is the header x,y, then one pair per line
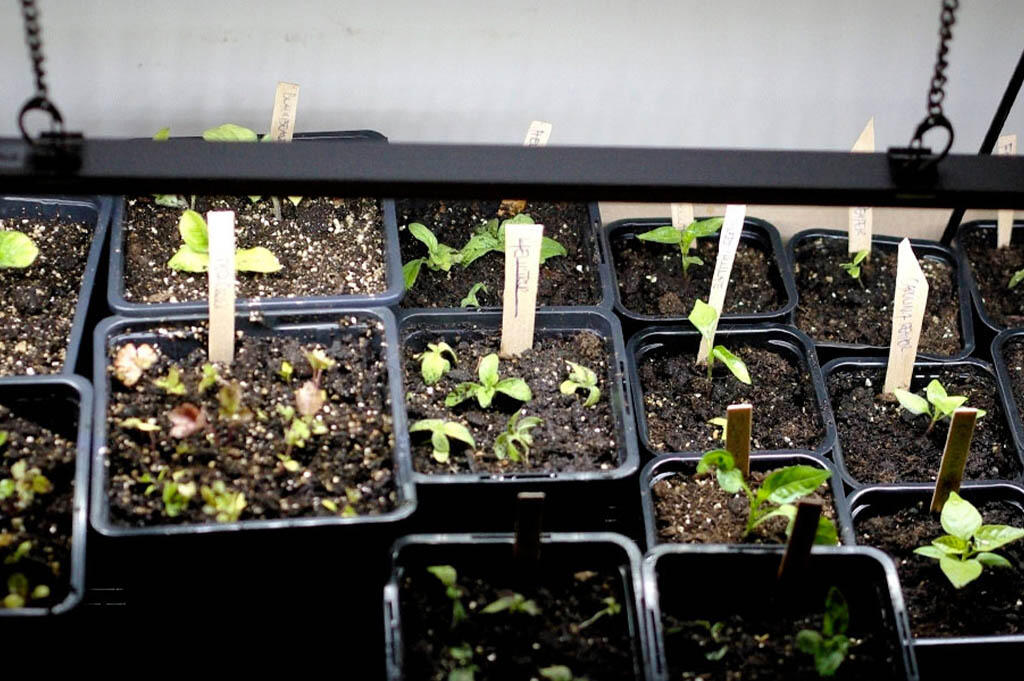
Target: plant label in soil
x,y
728,240
522,269
954,455
682,217
286,104
739,418
1006,145
908,306
801,539
221,227
537,135
861,218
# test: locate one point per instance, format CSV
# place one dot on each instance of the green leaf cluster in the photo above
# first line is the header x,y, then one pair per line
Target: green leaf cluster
x,y
471,300
194,254
853,267
436,361
223,504
831,645
18,593
581,378
440,257
516,438
683,238
24,484
177,495
938,406
490,384
171,383
440,430
449,578
17,250
703,317
512,603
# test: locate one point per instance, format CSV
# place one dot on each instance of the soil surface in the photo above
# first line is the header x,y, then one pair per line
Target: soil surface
x,y
327,247
884,443
516,646
571,438
349,468
692,509
571,279
679,401
989,605
41,518
38,302
651,281
834,308
992,269
1013,355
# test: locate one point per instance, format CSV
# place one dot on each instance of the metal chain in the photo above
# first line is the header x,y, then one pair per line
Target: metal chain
x,y
937,93
34,38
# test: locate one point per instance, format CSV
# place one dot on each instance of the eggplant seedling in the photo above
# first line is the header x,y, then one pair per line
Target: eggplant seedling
x,y
448,577
938,406
703,317
490,236
436,361
683,238
513,603
440,430
440,257
490,384
830,645
581,378
194,254
17,250
853,267
516,437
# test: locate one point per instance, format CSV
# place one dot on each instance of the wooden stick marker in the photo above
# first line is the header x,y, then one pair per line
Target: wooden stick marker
x,y
537,135
861,218
522,269
1005,146
908,306
954,456
221,227
286,104
728,240
739,419
801,539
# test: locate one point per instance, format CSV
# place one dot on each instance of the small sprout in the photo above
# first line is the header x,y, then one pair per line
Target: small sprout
x,y
292,466
435,362
171,383
581,378
722,423
489,385
471,300
286,412
18,593
830,645
440,431
853,267
463,656
194,254
490,236
3,437
286,371
612,607
135,423
319,362
969,545
329,505
516,437
209,379
229,132
177,495
19,553
297,434
309,399
131,361
17,250
703,317
222,503
230,399
683,238
186,419
558,672
942,405
440,257
349,512
448,577
513,603
1017,277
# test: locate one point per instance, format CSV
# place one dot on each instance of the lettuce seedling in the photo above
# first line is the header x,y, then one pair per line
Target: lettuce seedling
x,y
489,385
440,257
435,362
440,430
969,545
830,645
448,577
776,494
703,317
513,603
222,503
17,250
194,254
581,378
611,607
942,404
471,300
683,238
853,267
516,437
1017,277
490,236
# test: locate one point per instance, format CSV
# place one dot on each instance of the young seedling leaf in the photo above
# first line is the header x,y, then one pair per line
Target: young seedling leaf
x,y
257,259
959,517
786,485
915,404
411,272
229,132
187,260
1017,277
17,250
662,235
471,300
703,317
194,232
732,363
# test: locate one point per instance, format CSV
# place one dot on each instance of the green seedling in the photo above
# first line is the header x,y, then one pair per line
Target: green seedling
x,y
581,378
830,645
722,423
463,657
24,484
703,317
171,383
229,397
177,494
309,399
1017,277
194,254
471,300
20,552
683,238
448,577
938,406
209,378
440,257
18,593
229,132
286,371
853,267
319,362
516,438
776,495
17,250
224,504
436,361
490,384
611,607
135,423
714,630
558,672
440,430
3,437
490,236
967,549
512,603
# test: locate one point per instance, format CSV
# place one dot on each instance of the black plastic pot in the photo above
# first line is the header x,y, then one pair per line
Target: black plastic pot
x,y
985,327
923,372
591,500
923,249
756,233
570,552
95,210
1010,405
392,260
949,657
64,405
681,575
784,339
662,467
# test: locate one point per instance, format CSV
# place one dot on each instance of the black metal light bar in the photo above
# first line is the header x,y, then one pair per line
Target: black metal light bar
x,y
571,173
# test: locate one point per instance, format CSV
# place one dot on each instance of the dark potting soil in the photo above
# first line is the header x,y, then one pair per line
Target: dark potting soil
x,y
884,443
834,308
326,246
571,438
651,281
38,306
992,268
348,470
693,509
515,646
991,604
1013,355
36,516
571,279
679,401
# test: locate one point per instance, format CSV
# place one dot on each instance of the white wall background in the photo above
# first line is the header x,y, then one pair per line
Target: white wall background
x,y
803,74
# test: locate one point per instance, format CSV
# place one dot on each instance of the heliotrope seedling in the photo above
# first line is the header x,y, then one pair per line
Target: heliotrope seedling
x,y
703,317
449,578
471,300
512,603
853,267
516,438
683,238
436,361
830,645
581,378
17,250
490,236
440,430
194,254
938,406
969,546
440,257
490,384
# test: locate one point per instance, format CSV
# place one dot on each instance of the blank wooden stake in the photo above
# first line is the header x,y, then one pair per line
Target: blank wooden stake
x,y
537,135
286,104
801,539
1005,146
529,514
954,455
728,240
737,435
522,269
909,302
861,218
221,228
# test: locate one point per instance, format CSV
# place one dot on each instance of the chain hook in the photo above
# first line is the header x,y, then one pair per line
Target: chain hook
x,y
41,100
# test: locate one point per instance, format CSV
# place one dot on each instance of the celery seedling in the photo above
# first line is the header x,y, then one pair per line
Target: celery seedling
x,y
581,378
942,404
436,361
490,236
440,257
853,267
489,385
703,317
830,645
683,238
194,254
17,250
516,437
440,430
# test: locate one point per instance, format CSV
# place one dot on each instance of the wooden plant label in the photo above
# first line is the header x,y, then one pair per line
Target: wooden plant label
x,y
728,240
954,456
908,306
861,218
737,435
682,217
529,515
537,135
1005,146
801,539
221,227
286,103
522,268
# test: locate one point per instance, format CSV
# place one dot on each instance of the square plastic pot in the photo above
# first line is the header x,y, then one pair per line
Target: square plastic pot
x,y
986,328
757,233
92,210
1009,400
392,262
662,467
680,575
569,552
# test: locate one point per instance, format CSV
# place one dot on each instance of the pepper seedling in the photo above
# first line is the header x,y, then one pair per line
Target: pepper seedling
x,y
516,437
853,267
942,404
194,254
448,577
513,603
435,362
683,238
703,318
471,300
440,430
490,236
440,257
1017,277
581,378
969,546
830,645
490,384
17,250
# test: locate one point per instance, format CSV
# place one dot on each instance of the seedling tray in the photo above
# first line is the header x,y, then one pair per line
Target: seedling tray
x,y
984,323
1005,378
